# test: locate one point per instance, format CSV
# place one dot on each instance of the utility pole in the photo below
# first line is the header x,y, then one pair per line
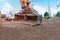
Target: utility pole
x,y
49,8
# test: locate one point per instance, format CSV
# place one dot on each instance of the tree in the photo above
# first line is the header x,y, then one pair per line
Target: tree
x,y
58,14
46,15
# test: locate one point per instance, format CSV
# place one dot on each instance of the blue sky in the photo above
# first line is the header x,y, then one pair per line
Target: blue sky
x,y
43,4
16,3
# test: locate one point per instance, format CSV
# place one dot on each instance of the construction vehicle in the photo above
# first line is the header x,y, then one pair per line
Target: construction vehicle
x,y
28,13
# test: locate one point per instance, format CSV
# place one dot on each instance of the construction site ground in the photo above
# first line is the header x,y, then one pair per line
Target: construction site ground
x,y
18,30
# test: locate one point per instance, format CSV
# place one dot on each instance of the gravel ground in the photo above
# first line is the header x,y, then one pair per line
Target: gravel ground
x,y
48,30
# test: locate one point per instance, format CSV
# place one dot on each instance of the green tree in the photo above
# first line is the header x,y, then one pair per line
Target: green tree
x,y
46,15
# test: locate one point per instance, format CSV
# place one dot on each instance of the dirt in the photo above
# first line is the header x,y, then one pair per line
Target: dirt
x,y
48,30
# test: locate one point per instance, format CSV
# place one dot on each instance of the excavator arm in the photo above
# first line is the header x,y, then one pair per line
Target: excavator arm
x,y
22,2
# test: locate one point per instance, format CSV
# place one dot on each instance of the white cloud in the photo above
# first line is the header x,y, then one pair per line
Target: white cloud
x,y
40,9
6,7
53,11
0,0
16,10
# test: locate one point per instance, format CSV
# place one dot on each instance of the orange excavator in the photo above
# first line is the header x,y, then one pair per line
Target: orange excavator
x,y
28,13
25,6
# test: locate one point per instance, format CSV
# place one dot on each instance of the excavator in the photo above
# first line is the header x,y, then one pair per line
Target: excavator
x,y
27,13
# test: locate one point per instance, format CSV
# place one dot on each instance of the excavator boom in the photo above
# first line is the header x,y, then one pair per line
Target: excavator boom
x,y
22,2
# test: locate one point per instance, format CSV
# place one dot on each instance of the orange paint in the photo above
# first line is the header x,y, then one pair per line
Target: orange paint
x,y
22,3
